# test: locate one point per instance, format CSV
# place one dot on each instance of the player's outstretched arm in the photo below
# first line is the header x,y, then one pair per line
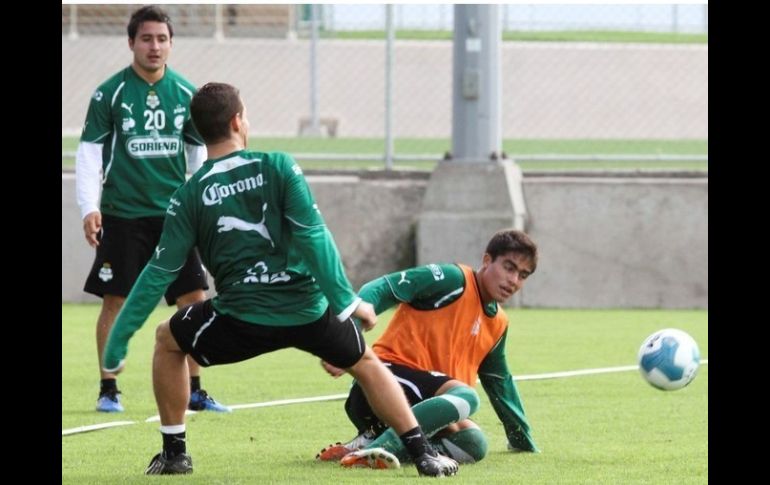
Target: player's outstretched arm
x,y
144,296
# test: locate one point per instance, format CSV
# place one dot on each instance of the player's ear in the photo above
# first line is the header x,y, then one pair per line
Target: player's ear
x,y
236,122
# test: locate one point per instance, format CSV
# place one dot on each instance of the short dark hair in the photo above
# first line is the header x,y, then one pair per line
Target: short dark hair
x,y
150,13
212,108
512,241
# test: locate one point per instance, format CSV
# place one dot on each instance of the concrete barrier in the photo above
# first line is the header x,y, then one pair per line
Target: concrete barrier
x,y
606,240
629,242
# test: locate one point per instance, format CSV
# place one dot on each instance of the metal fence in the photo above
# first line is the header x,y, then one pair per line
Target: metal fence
x,y
287,20
564,100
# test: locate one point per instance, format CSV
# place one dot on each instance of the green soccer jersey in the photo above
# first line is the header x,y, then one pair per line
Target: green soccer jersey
x,y
430,287
260,233
143,128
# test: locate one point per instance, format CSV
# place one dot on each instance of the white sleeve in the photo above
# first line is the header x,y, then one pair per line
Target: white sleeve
x,y
349,310
196,155
88,167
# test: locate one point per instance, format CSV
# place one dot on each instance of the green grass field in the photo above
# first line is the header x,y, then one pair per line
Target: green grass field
x,y
437,147
605,428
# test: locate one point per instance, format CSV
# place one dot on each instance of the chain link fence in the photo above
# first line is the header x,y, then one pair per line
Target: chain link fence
x,y
612,83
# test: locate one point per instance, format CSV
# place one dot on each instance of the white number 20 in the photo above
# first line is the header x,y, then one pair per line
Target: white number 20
x,y
156,120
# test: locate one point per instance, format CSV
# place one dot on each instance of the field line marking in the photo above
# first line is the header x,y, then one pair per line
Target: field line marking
x,y
582,372
280,402
337,397
94,427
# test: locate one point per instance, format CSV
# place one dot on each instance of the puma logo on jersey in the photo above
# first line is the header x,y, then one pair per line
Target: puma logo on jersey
x,y
128,107
187,313
228,223
403,279
158,251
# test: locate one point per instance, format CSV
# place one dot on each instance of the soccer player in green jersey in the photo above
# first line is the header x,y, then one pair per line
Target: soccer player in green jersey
x,y
136,144
279,279
448,330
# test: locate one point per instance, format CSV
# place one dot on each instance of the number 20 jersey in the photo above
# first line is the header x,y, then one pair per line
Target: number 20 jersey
x,y
143,128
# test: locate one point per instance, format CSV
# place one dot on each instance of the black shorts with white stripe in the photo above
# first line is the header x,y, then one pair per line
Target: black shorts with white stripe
x,y
214,339
418,385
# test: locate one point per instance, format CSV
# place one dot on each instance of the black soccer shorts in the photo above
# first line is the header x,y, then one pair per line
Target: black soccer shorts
x,y
213,339
125,246
418,385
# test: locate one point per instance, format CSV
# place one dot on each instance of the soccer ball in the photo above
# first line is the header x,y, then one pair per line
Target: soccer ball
x,y
669,359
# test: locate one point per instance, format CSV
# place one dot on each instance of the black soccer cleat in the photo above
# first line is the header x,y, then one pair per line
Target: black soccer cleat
x,y
178,465
436,466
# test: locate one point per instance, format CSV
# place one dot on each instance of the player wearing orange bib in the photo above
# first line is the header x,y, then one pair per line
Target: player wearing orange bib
x,y
447,331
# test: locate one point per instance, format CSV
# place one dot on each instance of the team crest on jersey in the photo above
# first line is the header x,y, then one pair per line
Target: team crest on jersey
x,y
152,100
105,273
127,124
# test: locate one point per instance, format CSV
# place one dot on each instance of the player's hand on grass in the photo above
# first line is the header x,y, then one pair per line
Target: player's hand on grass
x,y
92,224
332,370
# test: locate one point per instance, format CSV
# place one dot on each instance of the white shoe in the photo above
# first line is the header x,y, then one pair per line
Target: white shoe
x,y
338,450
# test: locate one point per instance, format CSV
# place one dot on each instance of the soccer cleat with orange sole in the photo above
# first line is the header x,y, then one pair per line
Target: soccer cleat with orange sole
x,y
334,452
375,458
337,450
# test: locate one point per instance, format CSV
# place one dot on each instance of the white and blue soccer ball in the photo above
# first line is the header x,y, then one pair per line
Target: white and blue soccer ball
x,y
669,359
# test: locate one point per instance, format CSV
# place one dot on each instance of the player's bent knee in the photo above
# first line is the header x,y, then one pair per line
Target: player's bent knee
x,y
163,336
477,444
466,446
467,394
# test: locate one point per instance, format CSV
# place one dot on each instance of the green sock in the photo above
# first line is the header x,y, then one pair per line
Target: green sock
x,y
433,415
468,445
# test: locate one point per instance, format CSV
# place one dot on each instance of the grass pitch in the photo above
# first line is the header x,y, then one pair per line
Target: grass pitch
x,y
605,428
